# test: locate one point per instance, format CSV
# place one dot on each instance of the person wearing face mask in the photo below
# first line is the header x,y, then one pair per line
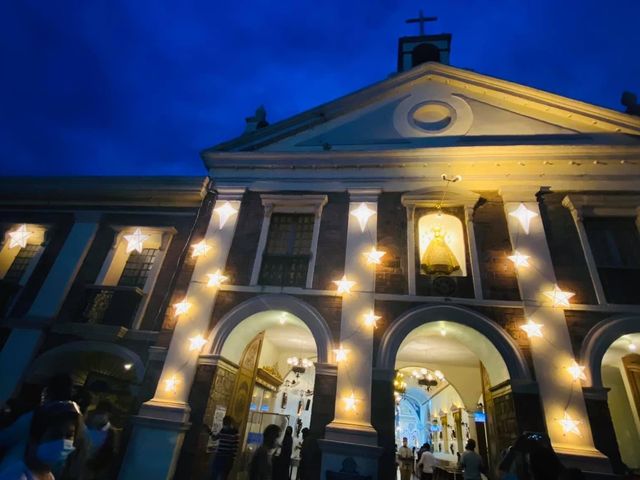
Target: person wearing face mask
x,y
52,439
101,443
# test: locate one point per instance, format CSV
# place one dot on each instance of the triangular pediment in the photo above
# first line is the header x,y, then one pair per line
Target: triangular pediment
x,y
434,105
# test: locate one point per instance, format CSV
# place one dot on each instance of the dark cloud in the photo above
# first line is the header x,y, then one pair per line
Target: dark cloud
x,y
114,87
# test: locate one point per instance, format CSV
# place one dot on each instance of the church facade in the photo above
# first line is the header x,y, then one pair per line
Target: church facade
x,y
440,256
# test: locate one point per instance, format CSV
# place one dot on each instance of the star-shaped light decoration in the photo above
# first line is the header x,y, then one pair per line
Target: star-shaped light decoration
x,y
200,249
182,307
558,297
216,279
341,354
577,372
519,260
371,319
344,285
135,241
524,216
363,213
374,256
225,212
570,425
532,329
170,384
197,342
19,237
350,402
128,366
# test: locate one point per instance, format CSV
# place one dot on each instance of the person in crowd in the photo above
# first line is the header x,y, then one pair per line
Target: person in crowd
x,y
302,465
101,439
282,463
53,432
426,463
532,457
405,459
422,449
227,447
14,438
261,467
471,462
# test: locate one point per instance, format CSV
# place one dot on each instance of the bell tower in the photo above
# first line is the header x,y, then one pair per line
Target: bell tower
x,y
414,50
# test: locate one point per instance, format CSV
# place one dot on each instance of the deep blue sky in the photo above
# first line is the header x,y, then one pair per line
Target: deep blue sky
x,y
140,87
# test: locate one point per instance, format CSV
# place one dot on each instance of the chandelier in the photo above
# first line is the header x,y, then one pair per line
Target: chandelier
x,y
399,386
427,379
299,365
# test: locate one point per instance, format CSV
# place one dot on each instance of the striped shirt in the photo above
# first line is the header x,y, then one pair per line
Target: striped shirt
x,y
228,440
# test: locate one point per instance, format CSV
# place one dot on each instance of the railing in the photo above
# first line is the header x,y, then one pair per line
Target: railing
x,y
8,292
111,305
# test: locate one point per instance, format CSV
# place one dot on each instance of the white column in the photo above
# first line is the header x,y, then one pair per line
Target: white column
x,y
23,343
473,252
160,425
551,354
262,244
411,249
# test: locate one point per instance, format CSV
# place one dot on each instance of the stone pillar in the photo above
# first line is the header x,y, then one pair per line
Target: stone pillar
x,y
383,420
160,426
604,434
350,434
473,252
553,353
324,394
23,343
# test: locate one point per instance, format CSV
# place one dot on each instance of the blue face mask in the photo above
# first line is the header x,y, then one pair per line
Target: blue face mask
x,y
55,451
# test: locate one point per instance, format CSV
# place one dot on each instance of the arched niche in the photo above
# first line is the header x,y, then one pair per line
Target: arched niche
x,y
451,230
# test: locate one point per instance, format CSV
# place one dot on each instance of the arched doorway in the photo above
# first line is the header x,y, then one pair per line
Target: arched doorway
x,y
612,352
470,371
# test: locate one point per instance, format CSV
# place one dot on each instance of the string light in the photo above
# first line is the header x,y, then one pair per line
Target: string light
x,y
170,384
135,241
182,307
519,260
363,213
196,343
577,372
524,216
371,319
19,237
200,249
344,285
558,297
225,212
374,256
532,329
350,402
341,354
216,279
128,366
570,425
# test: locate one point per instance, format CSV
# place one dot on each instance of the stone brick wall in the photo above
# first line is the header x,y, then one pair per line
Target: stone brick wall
x,y
332,242
579,323
245,240
391,274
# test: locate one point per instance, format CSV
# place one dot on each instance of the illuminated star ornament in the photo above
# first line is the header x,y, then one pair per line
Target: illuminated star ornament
x,y
135,241
170,384
532,329
374,256
519,260
577,372
524,216
344,285
363,213
216,279
558,297
225,212
570,425
350,402
341,354
200,249
19,237
182,307
196,343
371,319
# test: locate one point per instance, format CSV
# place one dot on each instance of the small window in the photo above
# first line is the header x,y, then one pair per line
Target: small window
x,y
136,270
21,263
286,257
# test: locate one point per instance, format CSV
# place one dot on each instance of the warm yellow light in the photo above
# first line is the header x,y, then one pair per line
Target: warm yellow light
x,y
200,249
577,372
19,237
197,342
225,212
170,384
135,241
363,213
371,319
350,402
558,297
524,216
374,256
341,354
532,329
182,307
283,318
443,332
519,260
216,279
128,366
439,375
344,285
570,425
632,347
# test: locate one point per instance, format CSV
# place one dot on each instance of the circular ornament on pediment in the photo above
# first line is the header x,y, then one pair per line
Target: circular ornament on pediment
x,y
431,116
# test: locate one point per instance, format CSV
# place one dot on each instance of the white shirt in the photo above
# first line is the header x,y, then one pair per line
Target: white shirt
x,y
428,461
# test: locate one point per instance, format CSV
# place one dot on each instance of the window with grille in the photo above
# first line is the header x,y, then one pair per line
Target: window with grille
x,y
615,245
21,263
136,270
286,257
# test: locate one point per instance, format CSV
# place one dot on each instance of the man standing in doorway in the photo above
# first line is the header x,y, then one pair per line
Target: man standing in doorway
x,y
471,462
225,454
405,459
